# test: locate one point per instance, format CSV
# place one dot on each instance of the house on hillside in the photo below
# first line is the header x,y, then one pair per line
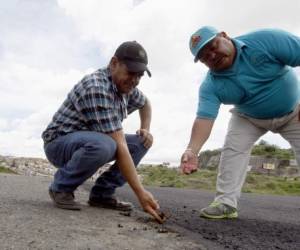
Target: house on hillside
x,y
274,166
257,163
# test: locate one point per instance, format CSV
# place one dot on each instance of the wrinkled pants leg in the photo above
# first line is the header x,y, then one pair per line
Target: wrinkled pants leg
x,y
78,156
106,184
291,132
241,136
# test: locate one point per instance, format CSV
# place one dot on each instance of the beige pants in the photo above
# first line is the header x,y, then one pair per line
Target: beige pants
x,y
242,133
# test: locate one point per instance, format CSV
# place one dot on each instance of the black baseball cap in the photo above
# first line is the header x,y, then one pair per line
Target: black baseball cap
x,y
134,56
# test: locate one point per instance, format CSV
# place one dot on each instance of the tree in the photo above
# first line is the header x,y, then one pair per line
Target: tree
x,y
263,143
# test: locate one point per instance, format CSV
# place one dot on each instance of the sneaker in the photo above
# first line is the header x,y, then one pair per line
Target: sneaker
x,y
111,203
64,200
217,210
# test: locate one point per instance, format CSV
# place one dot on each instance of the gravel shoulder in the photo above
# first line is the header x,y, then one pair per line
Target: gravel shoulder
x,y
28,220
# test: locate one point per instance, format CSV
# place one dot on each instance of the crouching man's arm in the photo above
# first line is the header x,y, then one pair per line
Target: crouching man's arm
x,y
145,117
127,168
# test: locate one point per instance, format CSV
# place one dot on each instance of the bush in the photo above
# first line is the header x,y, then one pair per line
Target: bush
x,y
6,170
206,179
250,179
263,148
271,185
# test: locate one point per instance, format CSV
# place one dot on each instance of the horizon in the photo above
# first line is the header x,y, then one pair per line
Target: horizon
x,y
171,164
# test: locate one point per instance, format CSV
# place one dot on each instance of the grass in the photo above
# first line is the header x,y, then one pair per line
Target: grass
x,y
160,176
170,177
6,170
262,184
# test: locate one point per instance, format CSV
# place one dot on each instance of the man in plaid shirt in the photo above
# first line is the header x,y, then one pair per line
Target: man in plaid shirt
x,y
86,133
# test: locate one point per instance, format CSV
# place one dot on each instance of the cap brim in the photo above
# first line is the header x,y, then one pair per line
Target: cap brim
x,y
202,46
137,67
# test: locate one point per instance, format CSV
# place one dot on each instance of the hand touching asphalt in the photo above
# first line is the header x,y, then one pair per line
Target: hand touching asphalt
x,y
150,205
189,162
147,138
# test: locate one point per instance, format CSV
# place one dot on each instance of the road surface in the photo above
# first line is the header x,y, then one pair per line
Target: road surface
x,y
265,221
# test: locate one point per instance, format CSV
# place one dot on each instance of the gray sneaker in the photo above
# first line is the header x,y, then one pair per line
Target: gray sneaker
x,y
64,200
217,210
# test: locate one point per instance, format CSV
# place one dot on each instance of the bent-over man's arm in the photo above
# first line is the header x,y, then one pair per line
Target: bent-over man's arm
x,y
200,133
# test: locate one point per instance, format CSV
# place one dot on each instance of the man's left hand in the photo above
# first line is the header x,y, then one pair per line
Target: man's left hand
x,y
189,162
147,138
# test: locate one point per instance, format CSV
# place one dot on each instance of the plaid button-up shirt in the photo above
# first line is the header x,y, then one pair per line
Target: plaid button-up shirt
x,y
94,104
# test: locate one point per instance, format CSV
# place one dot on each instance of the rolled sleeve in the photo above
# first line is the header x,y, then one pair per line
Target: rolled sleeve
x,y
208,102
136,100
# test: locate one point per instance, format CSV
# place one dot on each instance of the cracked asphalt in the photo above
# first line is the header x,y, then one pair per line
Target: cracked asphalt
x,y
265,221
28,220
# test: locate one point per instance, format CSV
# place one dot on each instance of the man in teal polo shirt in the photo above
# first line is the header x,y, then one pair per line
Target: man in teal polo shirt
x,y
254,73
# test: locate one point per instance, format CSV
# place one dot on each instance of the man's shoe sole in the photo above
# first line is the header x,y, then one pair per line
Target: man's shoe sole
x,y
97,204
223,216
64,206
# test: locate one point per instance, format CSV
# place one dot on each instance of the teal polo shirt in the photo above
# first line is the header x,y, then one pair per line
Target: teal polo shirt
x,y
261,82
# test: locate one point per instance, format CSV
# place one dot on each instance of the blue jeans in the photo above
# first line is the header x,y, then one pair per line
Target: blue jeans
x,y
80,154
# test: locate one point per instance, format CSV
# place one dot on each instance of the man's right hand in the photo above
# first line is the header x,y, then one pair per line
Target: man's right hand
x,y
189,162
150,205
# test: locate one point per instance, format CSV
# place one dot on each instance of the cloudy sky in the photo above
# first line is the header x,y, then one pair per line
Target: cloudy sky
x,y
48,46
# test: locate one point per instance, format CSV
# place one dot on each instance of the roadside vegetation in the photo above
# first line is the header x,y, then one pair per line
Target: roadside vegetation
x,y
6,170
265,149
161,176
205,178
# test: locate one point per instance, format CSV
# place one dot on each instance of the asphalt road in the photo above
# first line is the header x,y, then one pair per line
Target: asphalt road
x,y
265,222
28,221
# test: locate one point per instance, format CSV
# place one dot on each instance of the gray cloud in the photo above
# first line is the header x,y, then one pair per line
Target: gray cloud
x,y
39,34
243,16
47,46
